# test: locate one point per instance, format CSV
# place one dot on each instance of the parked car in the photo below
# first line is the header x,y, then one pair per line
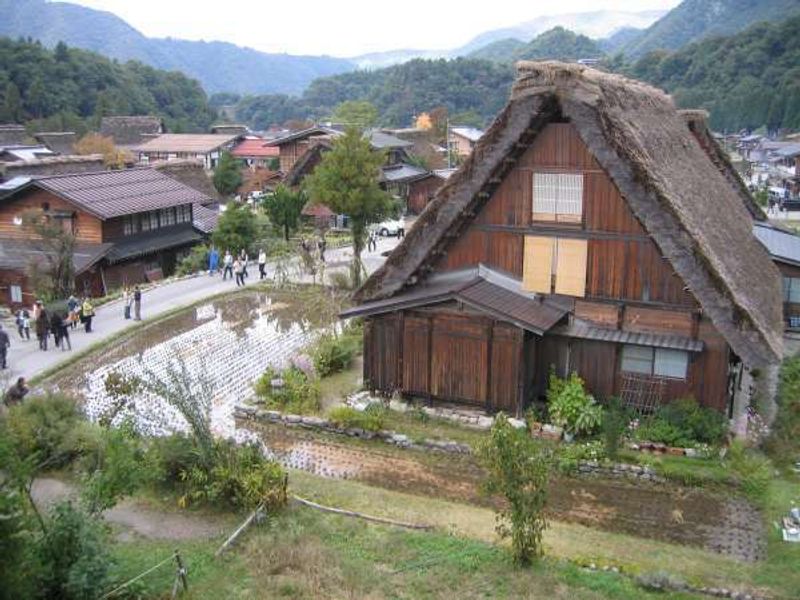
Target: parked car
x,y
388,228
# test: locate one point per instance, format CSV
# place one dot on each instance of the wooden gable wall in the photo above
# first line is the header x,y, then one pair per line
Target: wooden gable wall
x,y
89,229
623,262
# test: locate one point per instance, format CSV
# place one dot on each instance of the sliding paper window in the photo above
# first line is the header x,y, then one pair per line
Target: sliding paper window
x,y
558,197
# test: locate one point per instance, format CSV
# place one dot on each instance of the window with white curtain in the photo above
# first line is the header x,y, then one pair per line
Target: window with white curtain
x,y
558,197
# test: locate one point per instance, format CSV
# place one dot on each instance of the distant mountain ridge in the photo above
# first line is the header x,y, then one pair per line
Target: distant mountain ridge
x,y
219,66
556,44
693,20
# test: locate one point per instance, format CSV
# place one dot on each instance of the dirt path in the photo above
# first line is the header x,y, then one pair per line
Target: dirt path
x,y
669,513
134,518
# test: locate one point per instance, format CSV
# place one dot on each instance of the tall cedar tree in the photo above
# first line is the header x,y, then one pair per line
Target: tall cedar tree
x,y
236,228
227,175
284,208
346,181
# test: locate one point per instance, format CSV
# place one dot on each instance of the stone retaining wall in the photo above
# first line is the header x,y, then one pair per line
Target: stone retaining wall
x,y
324,425
592,468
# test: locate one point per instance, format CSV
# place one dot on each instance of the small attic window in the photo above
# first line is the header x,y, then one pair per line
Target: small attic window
x,y
45,206
17,220
558,197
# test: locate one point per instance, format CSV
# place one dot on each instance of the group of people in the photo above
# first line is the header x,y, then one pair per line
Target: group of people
x,y
132,299
235,266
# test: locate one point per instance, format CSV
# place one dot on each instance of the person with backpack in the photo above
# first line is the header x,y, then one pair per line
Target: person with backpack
x,y
42,325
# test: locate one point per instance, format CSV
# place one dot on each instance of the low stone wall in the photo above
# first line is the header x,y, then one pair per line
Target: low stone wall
x,y
592,468
324,425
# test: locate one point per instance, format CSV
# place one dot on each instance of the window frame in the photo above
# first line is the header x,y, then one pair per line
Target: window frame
x,y
562,185
791,285
655,356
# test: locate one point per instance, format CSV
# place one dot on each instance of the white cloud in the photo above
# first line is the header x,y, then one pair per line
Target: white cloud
x,y
343,27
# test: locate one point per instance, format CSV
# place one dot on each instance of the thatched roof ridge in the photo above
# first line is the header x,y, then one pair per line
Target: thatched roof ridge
x,y
697,120
131,130
634,131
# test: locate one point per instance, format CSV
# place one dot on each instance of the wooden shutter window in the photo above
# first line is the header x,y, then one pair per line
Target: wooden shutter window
x,y
537,264
571,267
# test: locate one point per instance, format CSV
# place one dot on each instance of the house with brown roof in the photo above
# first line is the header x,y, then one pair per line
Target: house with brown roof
x,y
207,147
130,226
461,140
255,152
588,232
60,142
130,131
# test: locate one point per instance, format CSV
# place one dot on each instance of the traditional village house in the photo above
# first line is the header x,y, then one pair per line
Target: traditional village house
x,y
14,174
422,189
130,226
60,142
230,129
587,232
206,147
461,140
255,152
12,134
130,131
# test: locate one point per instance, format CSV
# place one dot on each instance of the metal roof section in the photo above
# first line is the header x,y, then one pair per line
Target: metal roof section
x,y
782,245
588,331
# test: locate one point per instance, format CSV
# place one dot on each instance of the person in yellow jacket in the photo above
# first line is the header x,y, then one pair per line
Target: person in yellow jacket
x,y
87,313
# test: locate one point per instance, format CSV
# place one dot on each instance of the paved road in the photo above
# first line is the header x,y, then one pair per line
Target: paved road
x,y
25,359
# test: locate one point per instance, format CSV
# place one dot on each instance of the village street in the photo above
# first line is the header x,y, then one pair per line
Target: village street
x,y
26,360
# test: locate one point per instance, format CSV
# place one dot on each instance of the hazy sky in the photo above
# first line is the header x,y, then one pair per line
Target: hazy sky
x,y
342,27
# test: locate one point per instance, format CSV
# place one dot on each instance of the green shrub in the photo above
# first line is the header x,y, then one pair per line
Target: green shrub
x,y
195,261
43,427
615,421
569,455
333,354
299,393
234,476
240,477
752,470
571,407
683,423
371,419
73,556
518,469
783,444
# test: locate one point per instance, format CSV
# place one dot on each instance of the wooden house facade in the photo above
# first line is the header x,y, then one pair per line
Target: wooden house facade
x,y
569,242
130,226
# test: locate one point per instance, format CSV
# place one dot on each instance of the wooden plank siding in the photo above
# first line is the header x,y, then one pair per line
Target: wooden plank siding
x,y
629,285
88,228
382,348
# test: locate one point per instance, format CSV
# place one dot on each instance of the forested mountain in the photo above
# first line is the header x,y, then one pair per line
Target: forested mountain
x,y
555,44
499,51
399,92
693,20
219,66
745,81
67,88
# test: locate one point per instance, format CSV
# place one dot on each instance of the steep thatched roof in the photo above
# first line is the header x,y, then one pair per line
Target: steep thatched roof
x,y
58,141
689,208
131,130
189,172
306,163
697,120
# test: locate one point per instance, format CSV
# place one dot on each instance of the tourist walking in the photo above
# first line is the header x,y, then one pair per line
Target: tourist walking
x,y
137,304
63,332
243,258
262,264
87,314
5,342
18,320
227,264
42,325
73,306
26,324
372,243
55,328
238,269
213,261
15,393
321,245
126,303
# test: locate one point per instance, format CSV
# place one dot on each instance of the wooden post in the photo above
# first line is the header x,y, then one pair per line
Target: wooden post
x,y
182,571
